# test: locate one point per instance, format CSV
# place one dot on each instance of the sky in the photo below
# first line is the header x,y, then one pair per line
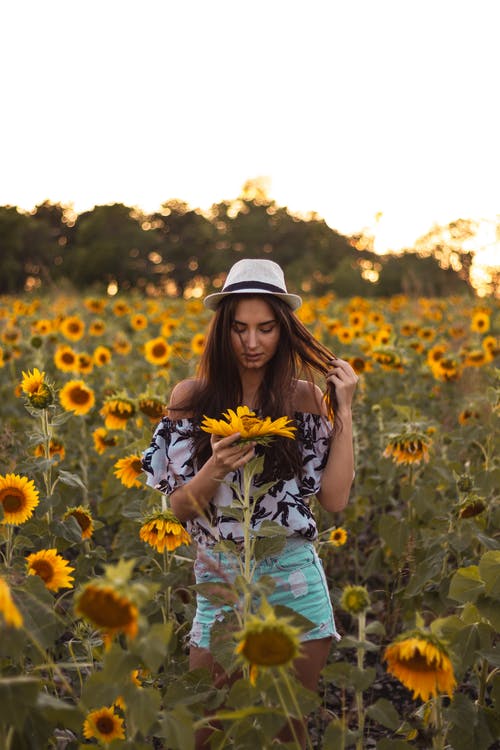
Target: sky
x,y
375,114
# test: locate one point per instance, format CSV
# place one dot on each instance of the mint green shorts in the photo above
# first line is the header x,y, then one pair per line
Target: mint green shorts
x,y
300,584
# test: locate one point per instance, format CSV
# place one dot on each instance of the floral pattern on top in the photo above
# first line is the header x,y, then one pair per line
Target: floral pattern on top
x,y
169,463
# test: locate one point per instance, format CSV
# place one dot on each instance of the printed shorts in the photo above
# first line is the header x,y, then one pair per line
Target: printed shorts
x,y
300,584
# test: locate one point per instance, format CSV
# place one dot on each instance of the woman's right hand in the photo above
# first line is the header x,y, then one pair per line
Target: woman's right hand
x,y
228,454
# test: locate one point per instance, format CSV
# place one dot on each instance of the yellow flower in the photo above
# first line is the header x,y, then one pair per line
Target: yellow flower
x,y
468,415
128,469
116,412
10,613
102,356
94,304
85,363
104,725
97,327
38,392
121,308
480,322
84,518
355,600
138,322
268,641
152,407
408,448
65,359
56,448
338,537
52,568
162,530
77,397
18,497
198,343
249,425
102,440
108,610
422,665
122,345
72,328
157,351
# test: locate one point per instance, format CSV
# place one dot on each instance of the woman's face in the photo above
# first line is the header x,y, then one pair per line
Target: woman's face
x,y
255,333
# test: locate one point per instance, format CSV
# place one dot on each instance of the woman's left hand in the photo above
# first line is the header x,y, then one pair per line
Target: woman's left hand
x,y
344,379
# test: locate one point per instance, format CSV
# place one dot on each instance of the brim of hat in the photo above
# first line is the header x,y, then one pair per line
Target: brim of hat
x,y
212,300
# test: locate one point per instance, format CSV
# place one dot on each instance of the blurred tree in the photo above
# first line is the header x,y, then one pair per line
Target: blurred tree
x,y
14,231
184,240
109,244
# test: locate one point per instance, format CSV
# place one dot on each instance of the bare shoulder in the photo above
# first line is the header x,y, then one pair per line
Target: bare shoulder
x,y
308,398
181,397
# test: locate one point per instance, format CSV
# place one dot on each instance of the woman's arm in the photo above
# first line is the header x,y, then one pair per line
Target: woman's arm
x,y
339,470
191,499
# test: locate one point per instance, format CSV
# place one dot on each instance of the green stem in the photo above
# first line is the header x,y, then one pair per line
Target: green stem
x,y
359,693
285,711
438,739
295,702
483,679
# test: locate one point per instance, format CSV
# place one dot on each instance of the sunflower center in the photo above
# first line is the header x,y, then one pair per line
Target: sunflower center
x,y
68,358
269,648
12,500
79,395
82,518
159,350
136,465
43,569
105,725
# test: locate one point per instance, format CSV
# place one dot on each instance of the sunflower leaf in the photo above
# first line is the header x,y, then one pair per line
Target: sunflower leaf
x,y
71,479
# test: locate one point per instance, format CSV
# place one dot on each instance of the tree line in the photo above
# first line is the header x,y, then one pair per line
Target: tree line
x,y
177,248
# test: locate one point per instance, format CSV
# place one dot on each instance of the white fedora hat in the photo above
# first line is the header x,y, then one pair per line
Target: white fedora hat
x,y
254,276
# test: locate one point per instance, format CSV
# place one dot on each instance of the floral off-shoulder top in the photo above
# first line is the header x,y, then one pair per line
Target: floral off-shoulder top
x,y
169,463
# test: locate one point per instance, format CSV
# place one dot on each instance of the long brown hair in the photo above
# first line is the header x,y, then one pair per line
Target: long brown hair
x,y
219,387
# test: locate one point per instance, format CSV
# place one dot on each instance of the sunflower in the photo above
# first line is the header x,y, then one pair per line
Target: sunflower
x,y
108,610
101,356
128,469
95,305
162,530
97,327
84,518
152,407
338,537
121,345
408,448
473,506
198,343
268,641
102,440
249,425
422,664
468,415
19,498
39,393
8,610
388,359
104,724
138,322
52,568
85,363
491,345
355,600
480,322
447,368
120,308
116,412
157,351
72,328
56,449
77,397
477,358
42,327
65,358
168,326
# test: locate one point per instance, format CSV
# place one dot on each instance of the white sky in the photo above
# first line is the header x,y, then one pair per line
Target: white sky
x,y
350,107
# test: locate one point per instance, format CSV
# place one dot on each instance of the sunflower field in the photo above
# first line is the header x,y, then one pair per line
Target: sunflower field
x,y
96,574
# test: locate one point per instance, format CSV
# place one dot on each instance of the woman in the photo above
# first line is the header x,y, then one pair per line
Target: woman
x,y
257,353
